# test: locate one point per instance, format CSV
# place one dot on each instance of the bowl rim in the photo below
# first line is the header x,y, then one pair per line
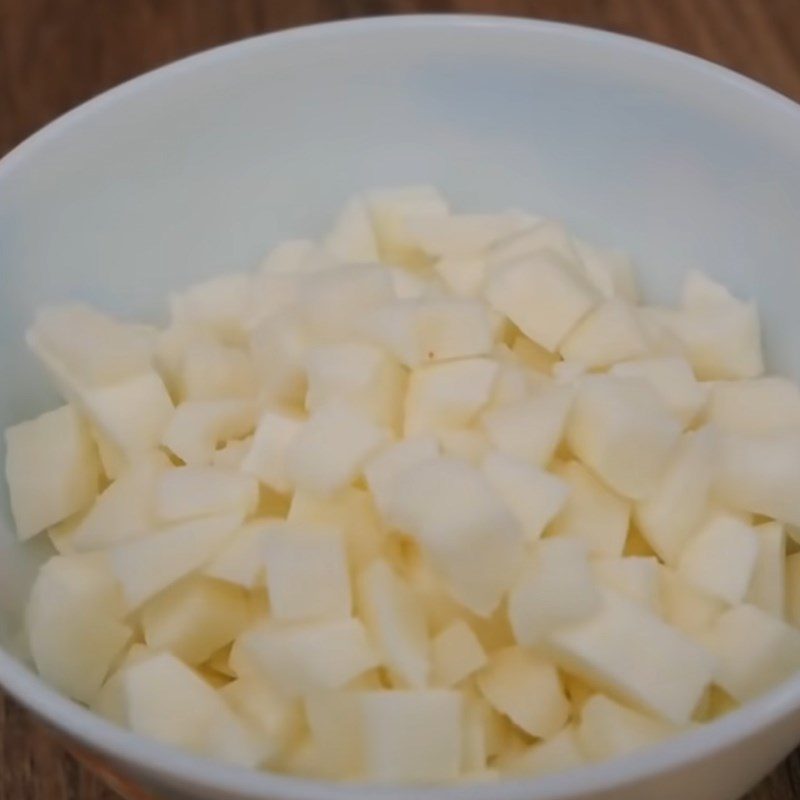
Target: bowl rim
x,y
173,767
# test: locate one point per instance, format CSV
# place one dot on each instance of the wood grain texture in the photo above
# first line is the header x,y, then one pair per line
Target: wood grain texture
x,y
54,54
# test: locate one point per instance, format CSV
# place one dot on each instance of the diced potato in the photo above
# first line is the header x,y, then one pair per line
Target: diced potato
x,y
542,294
410,284
212,371
456,653
534,355
331,448
391,210
721,334
533,495
421,331
334,719
674,382
459,235
278,347
198,427
761,405
277,718
232,454
554,590
412,736
266,459
89,348
306,569
169,702
532,429
608,729
353,512
678,504
535,237
295,257
382,469
727,578
754,651
240,561
462,275
556,754
194,618
352,237
592,512
51,468
448,395
767,588
685,606
150,563
124,509
472,540
637,577
759,474
131,415
220,304
526,688
610,333
620,429
468,444
333,305
360,375
302,658
74,624
395,619
186,492
628,651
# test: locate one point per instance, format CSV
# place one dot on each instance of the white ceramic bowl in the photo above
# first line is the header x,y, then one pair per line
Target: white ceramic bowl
x,y
200,166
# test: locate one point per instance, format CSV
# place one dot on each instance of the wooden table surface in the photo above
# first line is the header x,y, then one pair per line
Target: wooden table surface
x,y
54,54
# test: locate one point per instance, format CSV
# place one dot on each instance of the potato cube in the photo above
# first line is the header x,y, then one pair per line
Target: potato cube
x,y
556,754
448,395
360,375
608,729
459,235
727,578
526,688
412,736
767,588
677,506
278,346
334,719
636,577
555,589
302,658
542,294
186,492
462,275
421,331
628,651
620,429
793,589
685,606
330,449
198,427
214,371
592,512
266,459
533,495
194,618
395,619
609,271
240,560
456,653
51,468
759,474
306,567
531,429
760,405
673,380
754,650
73,624
472,540
610,333
150,563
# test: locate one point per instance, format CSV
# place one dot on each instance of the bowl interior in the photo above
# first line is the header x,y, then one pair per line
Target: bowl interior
x,y
201,167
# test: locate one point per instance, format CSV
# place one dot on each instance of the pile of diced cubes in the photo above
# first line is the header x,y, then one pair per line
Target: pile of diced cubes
x,y
438,498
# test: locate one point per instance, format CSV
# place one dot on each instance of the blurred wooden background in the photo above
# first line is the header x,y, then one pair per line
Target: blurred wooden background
x,y
54,54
